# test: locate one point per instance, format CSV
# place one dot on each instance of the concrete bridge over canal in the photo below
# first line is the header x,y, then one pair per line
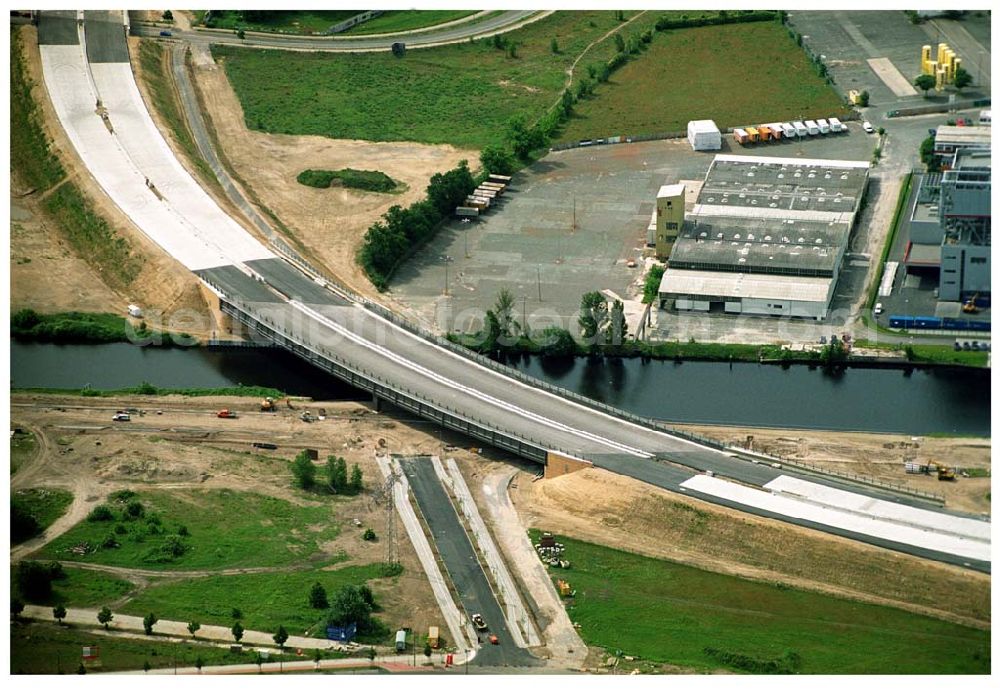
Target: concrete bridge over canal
x,y
90,82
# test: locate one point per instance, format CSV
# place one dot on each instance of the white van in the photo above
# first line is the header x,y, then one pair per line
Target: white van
x,y
824,126
836,125
985,117
812,128
800,129
787,131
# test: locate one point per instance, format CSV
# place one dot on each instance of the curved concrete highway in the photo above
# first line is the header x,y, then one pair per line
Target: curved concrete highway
x,y
505,21
134,165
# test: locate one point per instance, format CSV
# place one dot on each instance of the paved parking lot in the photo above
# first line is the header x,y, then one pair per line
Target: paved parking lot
x,y
529,243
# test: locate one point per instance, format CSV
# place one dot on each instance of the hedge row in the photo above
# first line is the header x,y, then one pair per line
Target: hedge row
x,y
400,231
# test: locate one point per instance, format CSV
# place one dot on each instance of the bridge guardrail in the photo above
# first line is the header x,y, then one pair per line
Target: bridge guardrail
x,y
398,395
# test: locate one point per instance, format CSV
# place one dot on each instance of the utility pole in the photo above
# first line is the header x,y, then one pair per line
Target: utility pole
x,y
524,314
445,276
538,278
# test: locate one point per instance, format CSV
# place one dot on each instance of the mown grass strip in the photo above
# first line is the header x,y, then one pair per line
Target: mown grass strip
x,y
671,613
155,75
904,194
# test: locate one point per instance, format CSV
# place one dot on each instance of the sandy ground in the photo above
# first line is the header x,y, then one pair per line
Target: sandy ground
x,y
329,223
186,447
162,284
619,512
880,456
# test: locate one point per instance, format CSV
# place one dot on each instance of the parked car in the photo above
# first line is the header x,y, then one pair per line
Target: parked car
x,y
867,127
166,34
121,417
878,308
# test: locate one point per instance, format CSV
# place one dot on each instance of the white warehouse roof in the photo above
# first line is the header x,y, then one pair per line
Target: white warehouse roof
x,y
719,284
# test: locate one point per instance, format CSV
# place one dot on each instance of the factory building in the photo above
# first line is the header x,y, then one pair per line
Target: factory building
x,y
950,227
766,236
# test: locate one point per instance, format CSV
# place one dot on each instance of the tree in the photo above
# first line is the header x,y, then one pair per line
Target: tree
x,y
317,656
503,310
357,481
593,318
105,616
280,636
59,612
193,628
925,82
369,535
148,622
241,34
428,651
304,471
522,140
371,654
348,606
146,666
555,46
168,16
619,43
962,78
863,99
511,49
336,473
199,663
34,581
317,597
237,631
496,159
258,660
81,669
16,607
617,326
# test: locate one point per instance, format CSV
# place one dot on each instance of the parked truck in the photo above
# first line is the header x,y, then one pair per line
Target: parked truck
x,y
812,129
741,136
788,130
824,126
837,126
800,128
401,640
466,211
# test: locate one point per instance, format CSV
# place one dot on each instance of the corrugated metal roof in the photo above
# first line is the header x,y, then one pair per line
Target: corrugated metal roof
x,y
717,284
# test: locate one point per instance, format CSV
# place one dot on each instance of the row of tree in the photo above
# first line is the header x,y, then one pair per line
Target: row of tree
x,y
336,479
391,239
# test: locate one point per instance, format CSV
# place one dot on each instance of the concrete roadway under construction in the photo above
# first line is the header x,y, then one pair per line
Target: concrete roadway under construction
x,y
186,223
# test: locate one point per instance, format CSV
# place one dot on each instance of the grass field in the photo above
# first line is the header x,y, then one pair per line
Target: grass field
x,y
693,74
280,21
45,505
227,529
50,649
666,612
23,447
82,588
150,390
267,600
930,354
406,20
460,94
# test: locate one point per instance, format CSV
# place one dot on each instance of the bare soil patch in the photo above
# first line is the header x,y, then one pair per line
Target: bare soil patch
x,y
330,223
880,456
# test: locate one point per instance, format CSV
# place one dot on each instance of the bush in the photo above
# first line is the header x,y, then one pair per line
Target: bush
x,y
368,180
23,525
34,580
651,288
101,513
369,535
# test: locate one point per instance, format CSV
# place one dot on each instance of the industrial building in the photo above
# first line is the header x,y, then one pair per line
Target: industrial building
x,y
704,135
766,236
950,227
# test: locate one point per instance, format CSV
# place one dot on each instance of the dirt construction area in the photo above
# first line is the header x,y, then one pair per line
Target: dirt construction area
x,y
879,456
330,223
179,444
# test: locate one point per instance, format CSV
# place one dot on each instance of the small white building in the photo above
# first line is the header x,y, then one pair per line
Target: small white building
x,y
704,135
134,311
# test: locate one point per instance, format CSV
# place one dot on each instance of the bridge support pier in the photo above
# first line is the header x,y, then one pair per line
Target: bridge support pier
x,y
377,402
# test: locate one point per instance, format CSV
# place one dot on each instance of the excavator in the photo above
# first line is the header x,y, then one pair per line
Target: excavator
x,y
944,473
267,405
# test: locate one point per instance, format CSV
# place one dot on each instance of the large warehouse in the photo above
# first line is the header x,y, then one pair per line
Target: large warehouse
x,y
766,236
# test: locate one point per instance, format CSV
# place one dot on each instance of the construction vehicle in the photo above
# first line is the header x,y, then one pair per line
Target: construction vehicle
x,y
945,474
306,416
970,307
226,413
267,405
479,622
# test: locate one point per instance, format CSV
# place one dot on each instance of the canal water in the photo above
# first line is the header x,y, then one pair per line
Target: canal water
x,y
881,400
